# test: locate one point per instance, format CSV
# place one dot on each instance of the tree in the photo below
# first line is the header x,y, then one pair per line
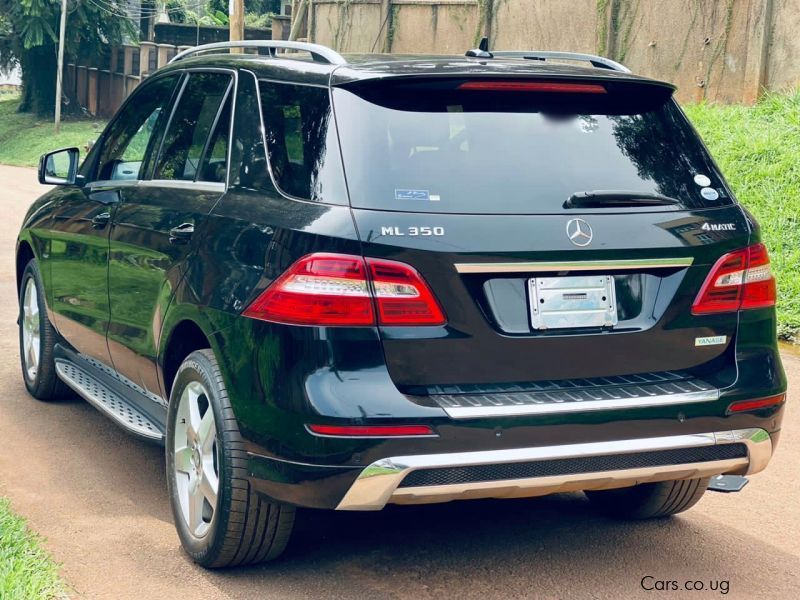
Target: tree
x,y
28,37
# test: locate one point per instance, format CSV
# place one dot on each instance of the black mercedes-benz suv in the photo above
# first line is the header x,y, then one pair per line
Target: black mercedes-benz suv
x,y
343,283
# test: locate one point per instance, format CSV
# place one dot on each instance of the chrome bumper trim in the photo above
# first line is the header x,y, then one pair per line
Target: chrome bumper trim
x,y
377,485
577,265
551,408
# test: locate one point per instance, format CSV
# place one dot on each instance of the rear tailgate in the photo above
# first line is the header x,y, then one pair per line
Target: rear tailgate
x,y
468,180
658,263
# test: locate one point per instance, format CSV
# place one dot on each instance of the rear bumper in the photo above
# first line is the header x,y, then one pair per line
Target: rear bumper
x,y
568,467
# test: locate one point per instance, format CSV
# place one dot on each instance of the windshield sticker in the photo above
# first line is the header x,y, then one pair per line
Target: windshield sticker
x,y
702,180
709,193
423,195
412,195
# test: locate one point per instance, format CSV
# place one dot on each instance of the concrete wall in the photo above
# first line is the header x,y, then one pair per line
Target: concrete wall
x,y
718,50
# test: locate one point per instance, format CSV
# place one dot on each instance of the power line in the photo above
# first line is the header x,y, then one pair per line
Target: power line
x,y
119,11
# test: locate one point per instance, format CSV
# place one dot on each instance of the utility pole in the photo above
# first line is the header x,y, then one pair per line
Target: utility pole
x,y
60,67
236,22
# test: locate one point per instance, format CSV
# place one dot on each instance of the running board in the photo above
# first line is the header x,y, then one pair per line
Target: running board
x,y
107,401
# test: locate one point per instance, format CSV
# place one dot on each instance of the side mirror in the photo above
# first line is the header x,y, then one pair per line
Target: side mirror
x,y
59,167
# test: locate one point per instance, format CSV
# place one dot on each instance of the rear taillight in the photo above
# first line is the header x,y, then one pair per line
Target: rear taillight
x,y
739,280
403,298
343,290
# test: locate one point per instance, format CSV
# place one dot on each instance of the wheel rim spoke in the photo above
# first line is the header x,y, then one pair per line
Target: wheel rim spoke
x,y
195,464
194,392
206,431
208,487
195,512
31,339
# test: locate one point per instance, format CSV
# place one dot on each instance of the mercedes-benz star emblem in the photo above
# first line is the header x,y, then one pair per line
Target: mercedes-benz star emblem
x,y
579,232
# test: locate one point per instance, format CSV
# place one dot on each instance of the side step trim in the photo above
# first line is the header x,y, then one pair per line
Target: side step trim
x,y
104,399
378,484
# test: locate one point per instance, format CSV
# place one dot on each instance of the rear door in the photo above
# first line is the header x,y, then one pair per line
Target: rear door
x,y
154,223
566,227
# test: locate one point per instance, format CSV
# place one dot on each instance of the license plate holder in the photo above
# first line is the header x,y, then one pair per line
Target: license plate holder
x,y
572,302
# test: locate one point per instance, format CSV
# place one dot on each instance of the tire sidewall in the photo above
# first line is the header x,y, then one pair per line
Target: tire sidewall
x,y
198,367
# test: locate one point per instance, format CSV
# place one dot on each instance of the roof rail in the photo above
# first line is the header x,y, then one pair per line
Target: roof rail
x,y
597,61
319,53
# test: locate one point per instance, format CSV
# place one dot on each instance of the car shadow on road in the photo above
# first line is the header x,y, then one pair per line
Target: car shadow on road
x,y
438,549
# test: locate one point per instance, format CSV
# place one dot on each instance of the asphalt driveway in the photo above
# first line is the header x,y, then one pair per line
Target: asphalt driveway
x,y
99,497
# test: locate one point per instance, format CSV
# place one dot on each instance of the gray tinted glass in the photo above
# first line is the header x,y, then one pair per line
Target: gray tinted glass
x,y
456,151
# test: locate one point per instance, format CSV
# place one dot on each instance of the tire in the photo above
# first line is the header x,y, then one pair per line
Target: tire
x,y
241,527
649,500
37,338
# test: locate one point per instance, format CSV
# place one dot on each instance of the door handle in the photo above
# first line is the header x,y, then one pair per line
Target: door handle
x,y
101,220
181,234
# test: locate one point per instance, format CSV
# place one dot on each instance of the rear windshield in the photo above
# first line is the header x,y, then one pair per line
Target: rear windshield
x,y
458,147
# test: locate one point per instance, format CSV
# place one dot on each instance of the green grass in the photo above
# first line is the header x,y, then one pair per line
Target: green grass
x,y
26,571
758,149
24,137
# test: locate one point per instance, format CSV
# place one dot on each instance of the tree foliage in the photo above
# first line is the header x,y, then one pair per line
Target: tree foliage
x,y
29,38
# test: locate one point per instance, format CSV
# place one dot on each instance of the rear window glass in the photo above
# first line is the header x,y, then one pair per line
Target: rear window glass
x,y
301,142
435,147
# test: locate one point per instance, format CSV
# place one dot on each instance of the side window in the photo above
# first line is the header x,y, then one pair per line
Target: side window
x,y
301,142
126,144
189,130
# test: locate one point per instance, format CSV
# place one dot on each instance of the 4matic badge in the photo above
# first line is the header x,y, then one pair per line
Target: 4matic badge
x,y
718,227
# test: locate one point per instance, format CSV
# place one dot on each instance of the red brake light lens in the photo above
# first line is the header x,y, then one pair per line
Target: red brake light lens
x,y
319,289
371,430
533,86
403,297
341,290
748,405
741,279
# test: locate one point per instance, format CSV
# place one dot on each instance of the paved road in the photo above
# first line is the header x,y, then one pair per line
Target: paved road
x,y
99,497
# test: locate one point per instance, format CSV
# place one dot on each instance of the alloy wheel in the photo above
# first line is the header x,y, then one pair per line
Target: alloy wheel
x,y
31,334
196,464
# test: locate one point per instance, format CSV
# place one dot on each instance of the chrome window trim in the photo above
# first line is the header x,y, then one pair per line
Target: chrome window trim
x,y
180,184
105,184
177,184
575,265
377,485
471,412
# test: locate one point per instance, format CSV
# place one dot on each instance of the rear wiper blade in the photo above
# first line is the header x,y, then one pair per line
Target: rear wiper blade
x,y
617,198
